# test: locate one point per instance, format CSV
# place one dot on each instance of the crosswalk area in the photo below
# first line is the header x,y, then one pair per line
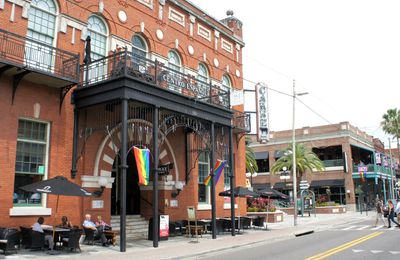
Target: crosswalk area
x,y
365,227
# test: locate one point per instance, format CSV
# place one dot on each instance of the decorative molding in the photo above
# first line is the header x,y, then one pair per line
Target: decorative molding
x,y
203,32
12,14
216,62
2,4
23,3
89,181
237,73
226,45
176,16
176,43
30,211
122,16
148,3
159,34
66,21
142,27
190,49
101,6
117,42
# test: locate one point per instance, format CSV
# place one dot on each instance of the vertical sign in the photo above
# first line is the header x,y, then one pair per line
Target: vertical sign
x,y
164,226
262,113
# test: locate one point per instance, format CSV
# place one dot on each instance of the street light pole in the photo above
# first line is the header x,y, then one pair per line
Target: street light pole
x,y
294,171
294,158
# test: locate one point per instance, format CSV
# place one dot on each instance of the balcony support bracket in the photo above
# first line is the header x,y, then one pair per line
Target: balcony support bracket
x,y
4,69
17,79
63,92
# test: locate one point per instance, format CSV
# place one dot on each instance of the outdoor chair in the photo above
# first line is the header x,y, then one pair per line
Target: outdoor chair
x,y
71,240
90,238
37,240
175,228
26,239
245,222
9,239
259,222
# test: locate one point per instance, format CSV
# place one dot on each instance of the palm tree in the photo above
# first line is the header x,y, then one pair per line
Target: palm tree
x,y
305,160
251,163
391,125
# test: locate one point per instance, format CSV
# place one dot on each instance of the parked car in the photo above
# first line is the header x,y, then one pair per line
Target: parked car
x,y
386,209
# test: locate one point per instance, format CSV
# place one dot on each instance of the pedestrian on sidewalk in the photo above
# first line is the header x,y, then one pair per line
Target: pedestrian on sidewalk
x,y
391,214
379,212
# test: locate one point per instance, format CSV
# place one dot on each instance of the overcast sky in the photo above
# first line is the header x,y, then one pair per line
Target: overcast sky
x,y
344,53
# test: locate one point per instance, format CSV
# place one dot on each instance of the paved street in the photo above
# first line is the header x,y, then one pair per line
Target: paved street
x,y
350,241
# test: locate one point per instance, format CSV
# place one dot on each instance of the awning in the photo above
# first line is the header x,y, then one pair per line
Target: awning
x,y
261,155
260,186
330,183
280,186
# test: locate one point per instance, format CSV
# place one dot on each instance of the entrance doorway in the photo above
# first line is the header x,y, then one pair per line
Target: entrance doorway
x,y
132,187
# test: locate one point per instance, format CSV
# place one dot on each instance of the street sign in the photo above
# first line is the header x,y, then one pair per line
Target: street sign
x,y
304,185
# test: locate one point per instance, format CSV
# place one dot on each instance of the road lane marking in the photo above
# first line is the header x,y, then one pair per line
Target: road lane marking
x,y
394,252
376,251
344,246
357,250
378,227
349,227
364,227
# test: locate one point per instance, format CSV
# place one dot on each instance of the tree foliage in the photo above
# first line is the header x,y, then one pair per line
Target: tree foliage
x,y
251,163
391,125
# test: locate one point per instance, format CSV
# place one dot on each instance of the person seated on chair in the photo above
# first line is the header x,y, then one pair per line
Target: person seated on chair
x,y
38,227
101,224
65,223
89,224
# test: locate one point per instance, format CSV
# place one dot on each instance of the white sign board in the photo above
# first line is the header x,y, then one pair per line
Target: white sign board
x,y
262,112
97,204
237,97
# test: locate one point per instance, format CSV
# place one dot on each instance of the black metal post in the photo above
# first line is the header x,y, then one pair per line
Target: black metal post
x,y
213,206
155,177
75,143
124,166
232,176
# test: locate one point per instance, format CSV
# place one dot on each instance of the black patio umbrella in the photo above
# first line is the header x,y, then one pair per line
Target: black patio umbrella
x,y
241,192
268,192
87,59
58,186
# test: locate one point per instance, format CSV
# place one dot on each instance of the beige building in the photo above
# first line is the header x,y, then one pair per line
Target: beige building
x,y
343,148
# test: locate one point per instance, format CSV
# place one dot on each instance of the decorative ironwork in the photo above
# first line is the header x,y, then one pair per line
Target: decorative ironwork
x,y
241,122
154,74
35,56
63,92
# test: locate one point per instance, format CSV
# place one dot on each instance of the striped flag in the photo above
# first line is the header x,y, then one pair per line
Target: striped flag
x,y
218,169
142,157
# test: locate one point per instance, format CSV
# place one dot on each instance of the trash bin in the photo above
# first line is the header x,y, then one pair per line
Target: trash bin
x,y
165,225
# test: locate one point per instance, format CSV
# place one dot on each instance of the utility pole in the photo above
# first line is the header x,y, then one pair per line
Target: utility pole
x,y
391,169
294,157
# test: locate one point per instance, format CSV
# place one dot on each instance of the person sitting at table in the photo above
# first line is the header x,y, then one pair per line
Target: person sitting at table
x,y
89,224
65,223
38,227
101,224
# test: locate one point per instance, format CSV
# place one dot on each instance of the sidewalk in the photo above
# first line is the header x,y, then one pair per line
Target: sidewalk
x,y
183,247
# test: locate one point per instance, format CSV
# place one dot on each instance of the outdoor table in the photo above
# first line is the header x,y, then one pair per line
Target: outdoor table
x,y
57,234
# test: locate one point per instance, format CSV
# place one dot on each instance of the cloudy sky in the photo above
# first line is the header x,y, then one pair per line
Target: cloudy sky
x,y
344,53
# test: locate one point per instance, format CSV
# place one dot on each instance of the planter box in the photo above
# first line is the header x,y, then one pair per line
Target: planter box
x,y
321,210
270,217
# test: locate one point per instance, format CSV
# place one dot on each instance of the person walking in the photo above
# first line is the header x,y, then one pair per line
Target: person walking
x,y
379,212
391,214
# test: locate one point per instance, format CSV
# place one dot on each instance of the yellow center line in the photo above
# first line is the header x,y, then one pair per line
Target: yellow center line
x,y
343,247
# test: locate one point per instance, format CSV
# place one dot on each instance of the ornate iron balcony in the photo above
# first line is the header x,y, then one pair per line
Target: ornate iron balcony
x,y
126,64
241,122
28,55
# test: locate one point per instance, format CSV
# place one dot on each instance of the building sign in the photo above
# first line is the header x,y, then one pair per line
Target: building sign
x,y
164,225
97,204
179,82
237,97
191,213
262,113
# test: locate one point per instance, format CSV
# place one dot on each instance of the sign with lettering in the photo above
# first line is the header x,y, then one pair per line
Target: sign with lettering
x,y
164,225
191,213
262,112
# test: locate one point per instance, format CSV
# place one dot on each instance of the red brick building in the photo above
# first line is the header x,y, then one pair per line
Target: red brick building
x,y
148,54
342,148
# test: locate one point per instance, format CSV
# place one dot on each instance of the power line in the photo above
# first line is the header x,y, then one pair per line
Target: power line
x,y
315,112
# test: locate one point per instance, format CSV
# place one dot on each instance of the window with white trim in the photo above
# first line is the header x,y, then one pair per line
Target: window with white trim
x,y
139,53
31,159
41,28
174,62
226,82
227,173
97,30
204,170
203,77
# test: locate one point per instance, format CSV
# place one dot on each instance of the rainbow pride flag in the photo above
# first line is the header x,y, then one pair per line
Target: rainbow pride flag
x,y
142,157
218,169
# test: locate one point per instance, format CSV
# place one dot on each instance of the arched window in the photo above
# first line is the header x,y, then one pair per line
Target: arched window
x,y
226,82
203,77
139,46
203,73
42,21
97,30
174,62
41,27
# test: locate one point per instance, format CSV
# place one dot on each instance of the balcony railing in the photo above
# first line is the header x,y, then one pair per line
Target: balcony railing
x,y
241,121
376,168
333,163
155,74
35,56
